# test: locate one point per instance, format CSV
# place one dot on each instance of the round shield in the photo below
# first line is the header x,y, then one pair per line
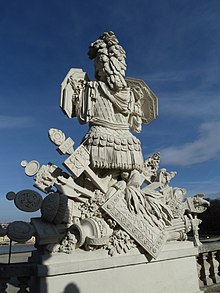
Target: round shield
x,y
20,231
28,200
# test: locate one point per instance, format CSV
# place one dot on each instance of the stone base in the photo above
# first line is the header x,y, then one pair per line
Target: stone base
x,y
175,271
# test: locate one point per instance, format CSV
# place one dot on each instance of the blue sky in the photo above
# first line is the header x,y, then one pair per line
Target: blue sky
x,y
173,45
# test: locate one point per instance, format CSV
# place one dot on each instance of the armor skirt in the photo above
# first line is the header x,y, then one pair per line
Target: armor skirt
x,y
113,149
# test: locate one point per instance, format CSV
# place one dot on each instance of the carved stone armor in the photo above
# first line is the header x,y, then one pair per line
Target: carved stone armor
x,y
109,141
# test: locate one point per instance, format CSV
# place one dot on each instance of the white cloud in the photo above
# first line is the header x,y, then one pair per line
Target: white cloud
x,y
189,93
15,122
202,149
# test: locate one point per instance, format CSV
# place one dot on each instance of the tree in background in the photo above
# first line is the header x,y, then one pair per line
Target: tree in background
x,y
211,218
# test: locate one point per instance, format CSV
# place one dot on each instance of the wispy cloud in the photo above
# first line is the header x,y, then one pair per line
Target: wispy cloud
x,y
7,122
188,93
208,185
205,147
191,104
168,76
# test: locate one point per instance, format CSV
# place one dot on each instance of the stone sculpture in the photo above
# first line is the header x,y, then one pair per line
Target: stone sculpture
x,y
109,197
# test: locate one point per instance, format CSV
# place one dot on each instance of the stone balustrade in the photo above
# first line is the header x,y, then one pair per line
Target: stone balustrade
x,y
16,277
208,262
4,240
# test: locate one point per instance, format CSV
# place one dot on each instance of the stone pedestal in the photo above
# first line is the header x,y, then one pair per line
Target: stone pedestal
x,y
174,271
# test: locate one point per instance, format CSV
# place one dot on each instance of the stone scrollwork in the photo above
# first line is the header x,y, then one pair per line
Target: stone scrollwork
x,y
109,197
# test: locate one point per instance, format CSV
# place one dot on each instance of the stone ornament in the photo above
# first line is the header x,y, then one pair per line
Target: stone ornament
x,y
79,77
78,162
147,100
68,244
26,200
31,168
46,177
56,136
11,195
193,206
148,235
54,207
97,232
151,166
110,197
65,146
78,231
109,60
20,231
196,204
120,243
110,107
175,203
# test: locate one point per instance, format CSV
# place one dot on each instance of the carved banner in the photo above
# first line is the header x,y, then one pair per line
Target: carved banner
x,y
151,238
